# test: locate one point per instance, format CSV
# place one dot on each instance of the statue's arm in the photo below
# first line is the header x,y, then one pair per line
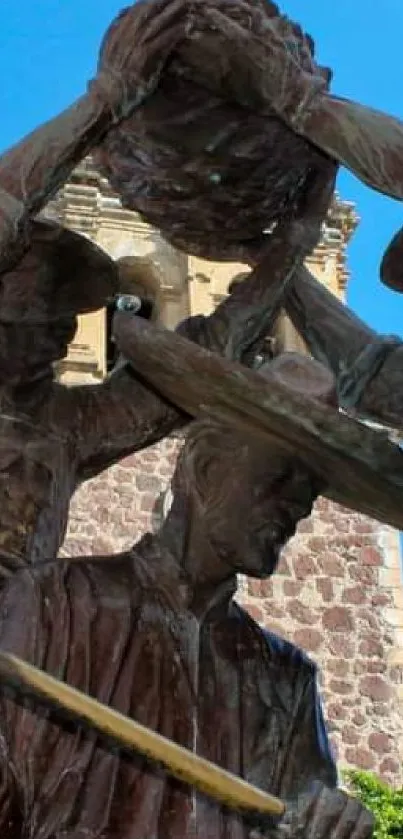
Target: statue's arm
x,y
33,170
123,415
368,368
269,73
116,418
241,322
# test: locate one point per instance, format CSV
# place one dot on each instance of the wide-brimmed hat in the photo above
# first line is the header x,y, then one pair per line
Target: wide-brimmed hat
x,y
293,402
213,179
302,376
62,274
365,140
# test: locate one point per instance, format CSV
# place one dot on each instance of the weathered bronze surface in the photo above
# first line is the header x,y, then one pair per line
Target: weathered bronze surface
x,y
156,634
127,734
211,175
54,437
214,151
240,126
214,121
361,468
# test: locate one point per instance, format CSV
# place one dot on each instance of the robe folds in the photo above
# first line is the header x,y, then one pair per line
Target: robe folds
x,y
122,630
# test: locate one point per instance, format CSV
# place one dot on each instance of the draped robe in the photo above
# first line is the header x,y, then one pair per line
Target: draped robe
x,y
122,630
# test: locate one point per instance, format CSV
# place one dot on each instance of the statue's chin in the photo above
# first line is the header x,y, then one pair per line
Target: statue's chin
x,y
261,573
260,566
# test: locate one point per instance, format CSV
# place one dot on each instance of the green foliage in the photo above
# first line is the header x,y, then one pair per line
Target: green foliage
x,y
385,802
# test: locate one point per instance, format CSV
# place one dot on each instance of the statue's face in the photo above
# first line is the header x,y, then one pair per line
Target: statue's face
x,y
251,505
27,350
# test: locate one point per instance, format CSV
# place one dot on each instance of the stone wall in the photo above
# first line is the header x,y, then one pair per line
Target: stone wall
x,y
337,594
329,598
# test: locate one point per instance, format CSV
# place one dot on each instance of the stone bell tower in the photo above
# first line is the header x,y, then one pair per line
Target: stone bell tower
x,y
338,590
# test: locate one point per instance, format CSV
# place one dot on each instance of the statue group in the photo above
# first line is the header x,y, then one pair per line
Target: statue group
x,y
155,633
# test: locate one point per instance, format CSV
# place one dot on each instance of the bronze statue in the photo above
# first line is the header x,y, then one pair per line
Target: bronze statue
x,y
53,436
171,37
213,152
232,138
156,634
48,276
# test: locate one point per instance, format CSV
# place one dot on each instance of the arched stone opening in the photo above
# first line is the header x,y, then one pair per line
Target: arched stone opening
x,y
139,277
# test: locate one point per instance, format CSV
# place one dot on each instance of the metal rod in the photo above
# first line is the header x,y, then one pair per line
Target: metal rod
x,y
179,762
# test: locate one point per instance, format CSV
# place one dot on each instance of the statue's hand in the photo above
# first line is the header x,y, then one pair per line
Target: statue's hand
x,y
325,813
134,52
266,65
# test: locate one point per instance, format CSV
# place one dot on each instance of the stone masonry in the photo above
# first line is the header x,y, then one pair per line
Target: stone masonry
x,y
336,594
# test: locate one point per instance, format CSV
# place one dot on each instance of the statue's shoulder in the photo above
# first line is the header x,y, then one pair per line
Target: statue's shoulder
x,y
75,610
95,580
288,654
107,580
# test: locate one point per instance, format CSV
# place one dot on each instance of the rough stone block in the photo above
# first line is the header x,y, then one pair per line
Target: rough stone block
x,y
308,639
325,587
361,757
376,687
338,619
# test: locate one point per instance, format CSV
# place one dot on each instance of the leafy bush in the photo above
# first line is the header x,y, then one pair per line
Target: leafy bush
x,y
385,802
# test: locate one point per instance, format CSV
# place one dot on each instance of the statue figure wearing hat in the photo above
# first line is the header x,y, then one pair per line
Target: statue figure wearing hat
x,y
155,633
214,153
53,437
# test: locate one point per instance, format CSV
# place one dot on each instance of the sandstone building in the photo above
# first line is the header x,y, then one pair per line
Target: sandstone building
x,y
338,592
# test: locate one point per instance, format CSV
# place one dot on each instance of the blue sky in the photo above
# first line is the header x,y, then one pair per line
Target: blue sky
x,y
48,51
